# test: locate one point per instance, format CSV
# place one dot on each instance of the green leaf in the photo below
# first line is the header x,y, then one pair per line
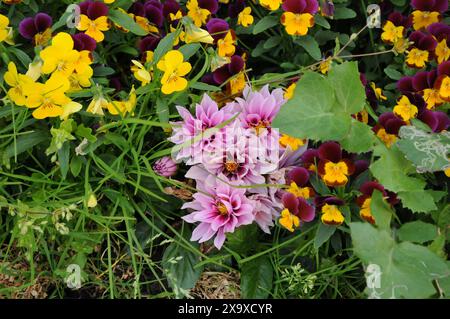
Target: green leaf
x,y
310,45
63,158
179,266
407,270
349,90
125,21
76,165
24,143
164,46
428,151
381,210
204,86
256,278
417,232
419,201
341,13
393,73
85,132
265,23
189,50
324,232
244,239
360,139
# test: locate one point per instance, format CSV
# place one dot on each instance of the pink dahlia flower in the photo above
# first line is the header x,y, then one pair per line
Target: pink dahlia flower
x,y
264,211
207,115
219,209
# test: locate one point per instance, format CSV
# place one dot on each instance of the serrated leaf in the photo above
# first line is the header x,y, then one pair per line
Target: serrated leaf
x,y
406,270
419,201
381,210
360,139
256,278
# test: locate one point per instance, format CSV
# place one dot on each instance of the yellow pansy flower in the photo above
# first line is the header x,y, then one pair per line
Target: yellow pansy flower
x,y
97,105
193,33
288,220
94,28
422,19
297,24
442,51
237,83
48,99
69,109
325,66
108,1
289,91
245,17
141,73
331,215
365,211
405,109
392,33
444,90
34,70
174,69
292,142
417,58
378,92
123,107
20,85
177,16
197,14
388,139
336,174
4,30
304,192
272,5
432,98
226,46
78,81
60,57
145,24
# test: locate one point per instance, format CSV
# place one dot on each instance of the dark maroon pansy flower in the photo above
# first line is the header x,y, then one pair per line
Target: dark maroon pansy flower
x,y
363,79
360,167
430,5
211,5
236,64
320,201
444,68
438,121
82,41
149,43
170,6
138,9
405,84
155,3
423,41
440,31
96,10
417,100
298,206
235,8
301,6
298,175
368,187
29,27
209,79
400,20
154,14
391,123
424,80
84,6
330,151
225,72
217,28
310,157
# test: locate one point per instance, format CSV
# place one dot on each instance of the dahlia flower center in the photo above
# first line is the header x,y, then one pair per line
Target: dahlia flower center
x,y
259,126
231,166
222,209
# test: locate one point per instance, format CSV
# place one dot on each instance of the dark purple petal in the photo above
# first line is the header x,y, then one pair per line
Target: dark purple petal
x,y
299,176
405,84
82,42
320,201
416,36
420,81
368,187
116,84
217,28
444,68
360,167
423,5
440,30
138,9
154,14
290,202
441,6
155,3
437,121
310,157
330,151
221,74
97,10
305,211
312,6
170,6
84,6
327,8
295,6
363,79
236,64
208,79
427,43
443,121
211,5
149,43
42,22
235,8
27,28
